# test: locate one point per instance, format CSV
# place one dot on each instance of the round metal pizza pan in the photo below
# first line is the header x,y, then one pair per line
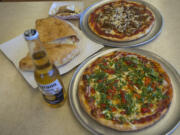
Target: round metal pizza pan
x,y
166,125
155,31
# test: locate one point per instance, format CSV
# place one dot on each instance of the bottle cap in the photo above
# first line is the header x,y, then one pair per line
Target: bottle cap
x,y
31,34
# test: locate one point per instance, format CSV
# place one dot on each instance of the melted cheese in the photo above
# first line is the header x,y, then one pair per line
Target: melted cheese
x,y
114,102
123,19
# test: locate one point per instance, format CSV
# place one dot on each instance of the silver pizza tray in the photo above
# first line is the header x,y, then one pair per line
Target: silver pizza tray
x,y
155,31
166,125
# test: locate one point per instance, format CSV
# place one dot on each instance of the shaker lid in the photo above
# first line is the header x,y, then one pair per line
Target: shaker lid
x,y
31,34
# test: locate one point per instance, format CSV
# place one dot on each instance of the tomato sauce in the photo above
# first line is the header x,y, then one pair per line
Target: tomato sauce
x,y
155,115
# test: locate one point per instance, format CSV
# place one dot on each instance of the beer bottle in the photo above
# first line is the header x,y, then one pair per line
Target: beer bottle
x,y
46,74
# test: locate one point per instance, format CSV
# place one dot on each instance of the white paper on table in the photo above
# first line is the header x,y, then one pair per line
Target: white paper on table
x,y
16,49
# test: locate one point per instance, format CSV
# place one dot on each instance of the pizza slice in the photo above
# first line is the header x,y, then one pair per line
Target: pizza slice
x,y
55,30
58,55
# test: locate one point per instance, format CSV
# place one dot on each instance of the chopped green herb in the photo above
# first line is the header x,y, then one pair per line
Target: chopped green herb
x,y
149,89
122,119
108,115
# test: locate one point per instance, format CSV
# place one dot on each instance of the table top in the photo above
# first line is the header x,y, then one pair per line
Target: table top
x,y
22,109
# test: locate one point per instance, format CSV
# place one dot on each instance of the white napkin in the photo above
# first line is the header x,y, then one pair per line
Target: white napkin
x,y
16,49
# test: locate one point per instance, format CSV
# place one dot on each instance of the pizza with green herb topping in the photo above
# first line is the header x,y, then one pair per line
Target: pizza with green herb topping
x,y
125,91
121,20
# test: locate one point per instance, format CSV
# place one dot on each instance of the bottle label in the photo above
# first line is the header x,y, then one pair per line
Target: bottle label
x,y
52,88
